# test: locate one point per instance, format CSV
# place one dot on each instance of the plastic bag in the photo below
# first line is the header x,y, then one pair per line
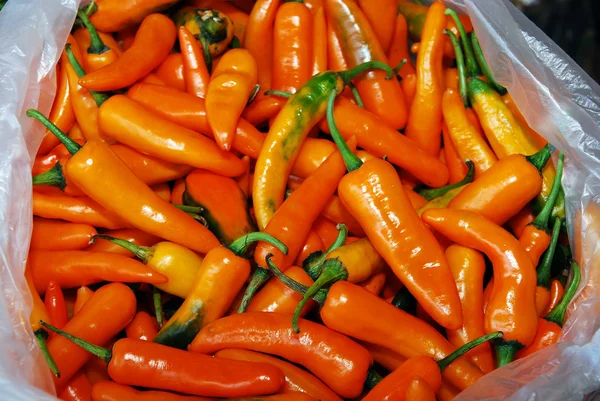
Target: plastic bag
x,y
557,98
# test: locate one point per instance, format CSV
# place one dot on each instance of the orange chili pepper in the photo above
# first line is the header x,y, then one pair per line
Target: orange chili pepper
x,y
326,230
312,154
373,194
163,191
390,360
190,112
262,109
447,392
319,44
416,200
96,369
60,236
469,143
375,283
100,49
152,79
341,363
244,181
292,47
409,86
451,79
83,295
381,96
153,42
171,71
336,212
106,313
178,190
556,293
379,139
55,305
259,39
550,327
508,101
276,297
504,189
76,210
511,308
468,268
132,235
457,169
116,15
312,244
195,71
61,114
47,161
79,388
425,118
398,50
381,15
518,222
111,391
76,134
419,390
142,327
132,124
71,269
297,380
230,87
126,36
335,57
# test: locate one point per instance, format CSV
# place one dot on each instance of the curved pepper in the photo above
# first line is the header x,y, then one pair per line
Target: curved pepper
x,y
170,72
54,301
97,52
142,327
419,390
398,50
381,15
319,45
213,29
79,388
115,15
61,114
55,235
110,391
259,39
511,307
195,71
542,291
83,295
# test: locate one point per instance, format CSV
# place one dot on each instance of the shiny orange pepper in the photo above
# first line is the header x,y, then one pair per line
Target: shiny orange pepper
x,y
61,114
398,51
55,235
116,15
170,71
381,15
319,45
100,49
195,71
259,39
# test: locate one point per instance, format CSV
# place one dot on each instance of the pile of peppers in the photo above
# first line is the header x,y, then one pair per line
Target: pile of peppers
x,y
289,201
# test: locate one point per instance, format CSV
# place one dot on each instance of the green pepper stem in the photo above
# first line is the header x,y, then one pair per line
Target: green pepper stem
x,y
314,267
253,94
103,353
460,351
400,65
545,266
235,42
356,95
240,245
72,146
352,73
99,98
289,282
198,218
206,52
189,209
260,276
41,337
144,253
432,193
540,158
352,161
557,315
158,310
405,300
472,67
484,65
373,378
97,46
53,177
333,271
505,351
460,65
541,220
274,92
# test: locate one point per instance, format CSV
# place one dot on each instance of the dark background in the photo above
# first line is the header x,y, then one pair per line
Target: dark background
x,y
573,24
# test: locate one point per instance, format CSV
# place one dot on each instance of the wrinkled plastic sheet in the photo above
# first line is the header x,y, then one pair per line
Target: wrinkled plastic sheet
x,y
556,97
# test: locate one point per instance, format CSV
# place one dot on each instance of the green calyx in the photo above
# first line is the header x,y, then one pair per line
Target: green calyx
x,y
72,146
405,301
100,352
373,378
352,161
53,177
432,193
260,276
253,94
460,65
189,209
352,73
97,46
505,351
157,302
274,92
99,98
545,266
240,245
213,27
557,315
144,253
540,158
460,351
314,266
484,65
541,221
41,336
471,64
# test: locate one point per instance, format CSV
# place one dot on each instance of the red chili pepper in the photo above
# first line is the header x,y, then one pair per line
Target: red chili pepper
x,y
60,236
111,391
79,388
142,327
196,74
55,305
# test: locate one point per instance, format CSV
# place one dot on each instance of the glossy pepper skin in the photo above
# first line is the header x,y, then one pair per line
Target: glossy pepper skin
x,y
55,235
78,389
341,363
115,15
359,44
55,305
195,71
420,390
83,295
153,42
319,46
381,15
100,49
142,327
61,114
170,71
511,307
106,313
398,50
259,38
297,380
110,391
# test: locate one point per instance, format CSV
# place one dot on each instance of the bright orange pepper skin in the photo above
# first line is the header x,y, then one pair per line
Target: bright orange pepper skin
x,y
381,15
425,118
542,300
380,140
359,44
335,57
83,295
409,86
47,161
276,297
92,61
312,154
61,114
55,305
115,15
468,268
373,194
337,213
456,167
535,242
259,39
133,235
106,313
319,46
142,327
134,125
511,307
341,363
263,108
326,230
79,388
420,390
292,47
451,79
398,50
171,71
163,191
195,72
70,269
383,356
312,244
110,391
502,191
297,380
360,259
556,293
108,180
153,42
375,283
55,235
547,334
510,103
354,311
177,192
447,392
232,82
518,222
